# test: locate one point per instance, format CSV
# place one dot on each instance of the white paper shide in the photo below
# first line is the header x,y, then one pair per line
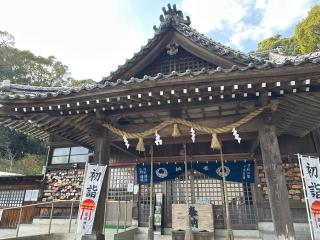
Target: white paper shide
x,y
89,200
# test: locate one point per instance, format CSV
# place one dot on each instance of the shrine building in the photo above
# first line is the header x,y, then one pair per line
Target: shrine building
x,y
188,104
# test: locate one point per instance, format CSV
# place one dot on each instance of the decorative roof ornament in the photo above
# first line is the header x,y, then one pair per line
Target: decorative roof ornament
x,y
172,15
172,48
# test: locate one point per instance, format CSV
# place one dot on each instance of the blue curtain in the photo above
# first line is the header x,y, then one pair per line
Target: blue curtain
x,y
238,171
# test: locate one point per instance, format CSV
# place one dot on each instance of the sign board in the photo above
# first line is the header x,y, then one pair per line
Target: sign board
x,y
202,201
310,172
157,216
31,195
130,187
201,216
136,189
89,200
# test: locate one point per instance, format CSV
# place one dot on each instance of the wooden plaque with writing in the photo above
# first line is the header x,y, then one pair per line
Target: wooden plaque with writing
x,y
204,212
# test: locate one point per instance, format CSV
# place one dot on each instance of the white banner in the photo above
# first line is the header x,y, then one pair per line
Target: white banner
x,y
1,211
310,167
89,200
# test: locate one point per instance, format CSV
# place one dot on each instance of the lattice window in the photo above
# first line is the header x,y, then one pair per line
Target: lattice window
x,y
179,62
240,203
11,198
119,178
204,189
145,201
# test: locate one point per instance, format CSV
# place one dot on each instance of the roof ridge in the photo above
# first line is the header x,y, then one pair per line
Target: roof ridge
x,y
174,18
214,45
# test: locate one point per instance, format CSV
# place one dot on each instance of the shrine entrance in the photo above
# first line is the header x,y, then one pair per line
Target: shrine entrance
x,y
203,190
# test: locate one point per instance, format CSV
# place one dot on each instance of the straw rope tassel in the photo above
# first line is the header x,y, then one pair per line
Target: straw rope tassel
x,y
176,131
140,145
215,144
186,123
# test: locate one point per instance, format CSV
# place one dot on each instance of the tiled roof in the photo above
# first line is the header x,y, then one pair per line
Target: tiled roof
x,y
15,91
174,18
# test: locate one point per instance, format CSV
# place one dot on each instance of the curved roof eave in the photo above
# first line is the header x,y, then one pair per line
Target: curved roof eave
x,y
16,92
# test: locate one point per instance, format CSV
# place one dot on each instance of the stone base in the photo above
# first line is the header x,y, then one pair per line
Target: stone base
x,y
93,237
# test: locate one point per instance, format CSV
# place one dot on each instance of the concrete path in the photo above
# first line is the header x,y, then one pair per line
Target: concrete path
x,y
43,228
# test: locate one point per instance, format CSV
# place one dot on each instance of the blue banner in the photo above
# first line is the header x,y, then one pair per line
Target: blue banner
x,y
239,171
161,172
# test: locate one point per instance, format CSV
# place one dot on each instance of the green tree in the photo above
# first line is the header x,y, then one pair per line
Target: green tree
x,y
6,39
19,144
23,67
30,164
288,45
79,83
307,32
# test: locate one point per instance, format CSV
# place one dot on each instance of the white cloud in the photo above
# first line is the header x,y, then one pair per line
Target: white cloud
x,y
91,37
208,15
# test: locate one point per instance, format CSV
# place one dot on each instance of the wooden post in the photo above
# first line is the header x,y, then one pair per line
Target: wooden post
x,y
150,234
278,192
225,198
101,156
188,234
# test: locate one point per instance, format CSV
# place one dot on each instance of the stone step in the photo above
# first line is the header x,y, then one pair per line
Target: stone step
x,y
168,237
143,236
219,235
254,234
238,238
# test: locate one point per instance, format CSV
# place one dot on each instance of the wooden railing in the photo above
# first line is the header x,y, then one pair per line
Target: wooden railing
x,y
13,217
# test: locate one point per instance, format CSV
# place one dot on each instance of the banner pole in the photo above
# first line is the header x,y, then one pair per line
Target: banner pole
x,y
150,229
188,234
225,195
306,197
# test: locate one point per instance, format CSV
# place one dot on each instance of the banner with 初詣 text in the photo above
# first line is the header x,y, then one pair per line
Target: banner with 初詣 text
x,y
238,171
89,200
311,174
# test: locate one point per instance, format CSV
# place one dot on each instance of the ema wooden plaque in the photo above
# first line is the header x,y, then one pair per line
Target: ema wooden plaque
x,y
202,219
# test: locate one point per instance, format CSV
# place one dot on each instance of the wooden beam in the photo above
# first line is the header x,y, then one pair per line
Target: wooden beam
x,y
200,158
278,192
316,139
283,74
254,145
123,150
251,126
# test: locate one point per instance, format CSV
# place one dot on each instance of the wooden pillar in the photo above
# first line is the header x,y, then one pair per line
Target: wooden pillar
x,y
101,156
278,192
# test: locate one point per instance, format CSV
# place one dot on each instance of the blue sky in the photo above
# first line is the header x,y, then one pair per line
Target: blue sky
x,y
93,37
